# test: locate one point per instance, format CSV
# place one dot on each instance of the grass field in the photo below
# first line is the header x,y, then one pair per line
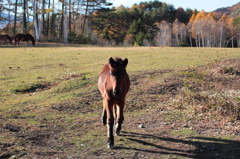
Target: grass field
x,y
23,68
49,96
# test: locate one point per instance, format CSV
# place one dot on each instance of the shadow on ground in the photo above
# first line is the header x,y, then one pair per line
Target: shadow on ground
x,y
191,147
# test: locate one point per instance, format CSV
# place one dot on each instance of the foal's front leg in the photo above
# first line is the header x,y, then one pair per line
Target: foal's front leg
x,y
104,114
110,123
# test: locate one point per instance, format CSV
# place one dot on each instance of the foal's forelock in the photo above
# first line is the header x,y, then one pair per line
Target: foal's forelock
x,y
117,80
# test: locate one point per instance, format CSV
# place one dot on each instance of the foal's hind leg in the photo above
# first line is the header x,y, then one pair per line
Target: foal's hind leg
x,y
120,118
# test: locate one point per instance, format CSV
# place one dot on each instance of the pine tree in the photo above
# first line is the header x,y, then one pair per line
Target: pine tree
x,y
139,39
138,32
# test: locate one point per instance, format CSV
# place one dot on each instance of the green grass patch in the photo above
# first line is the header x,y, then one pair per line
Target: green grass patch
x,y
28,88
74,84
183,132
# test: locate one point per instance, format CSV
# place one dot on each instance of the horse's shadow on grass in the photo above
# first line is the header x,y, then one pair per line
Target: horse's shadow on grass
x,y
200,147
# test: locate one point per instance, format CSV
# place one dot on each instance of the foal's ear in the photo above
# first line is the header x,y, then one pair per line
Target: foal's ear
x,y
125,62
111,62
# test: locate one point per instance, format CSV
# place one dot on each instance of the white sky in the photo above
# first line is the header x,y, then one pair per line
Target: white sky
x,y
206,5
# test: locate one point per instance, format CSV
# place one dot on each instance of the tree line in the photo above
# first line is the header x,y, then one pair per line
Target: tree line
x,y
152,23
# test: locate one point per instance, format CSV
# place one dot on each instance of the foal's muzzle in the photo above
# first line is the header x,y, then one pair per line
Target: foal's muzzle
x,y
117,92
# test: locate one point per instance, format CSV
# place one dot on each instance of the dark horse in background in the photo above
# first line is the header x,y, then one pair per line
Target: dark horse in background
x,y
4,38
114,84
24,37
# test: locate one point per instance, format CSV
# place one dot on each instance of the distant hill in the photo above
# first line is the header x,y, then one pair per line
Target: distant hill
x,y
232,11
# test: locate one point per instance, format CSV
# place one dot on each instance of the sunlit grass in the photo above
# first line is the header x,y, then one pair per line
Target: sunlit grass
x,y
24,66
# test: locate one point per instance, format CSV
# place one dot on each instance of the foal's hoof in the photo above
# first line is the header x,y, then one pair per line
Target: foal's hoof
x,y
117,133
110,146
104,122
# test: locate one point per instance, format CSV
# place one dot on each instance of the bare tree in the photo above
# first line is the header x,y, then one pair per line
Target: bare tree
x,y
176,31
9,19
43,17
85,16
222,28
163,36
24,16
76,17
48,17
70,15
15,17
35,19
65,23
179,31
189,32
52,21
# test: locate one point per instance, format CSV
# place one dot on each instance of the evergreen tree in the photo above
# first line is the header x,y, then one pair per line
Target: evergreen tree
x,y
138,32
139,39
105,34
236,23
